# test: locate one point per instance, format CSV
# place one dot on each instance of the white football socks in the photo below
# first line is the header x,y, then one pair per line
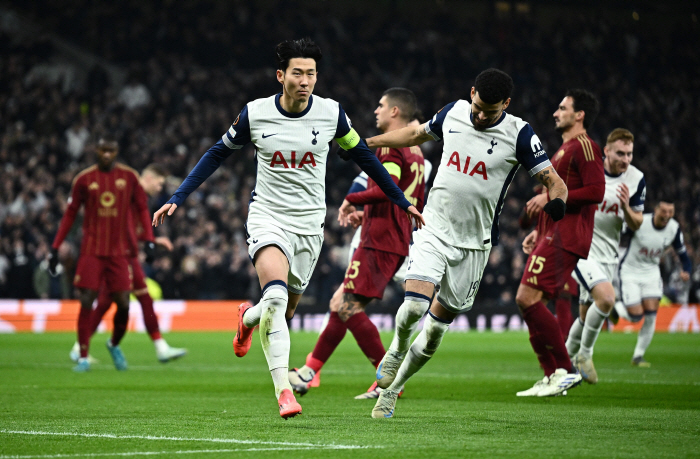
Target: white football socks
x,y
573,341
646,333
591,329
274,335
421,351
407,318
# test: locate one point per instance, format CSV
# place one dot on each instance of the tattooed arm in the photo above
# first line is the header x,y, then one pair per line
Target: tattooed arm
x,y
555,188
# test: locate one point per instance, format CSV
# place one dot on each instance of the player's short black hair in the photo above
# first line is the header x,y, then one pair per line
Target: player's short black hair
x,y
586,102
405,100
289,49
493,86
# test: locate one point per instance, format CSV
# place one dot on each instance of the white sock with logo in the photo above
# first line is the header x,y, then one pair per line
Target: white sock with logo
x,y
274,335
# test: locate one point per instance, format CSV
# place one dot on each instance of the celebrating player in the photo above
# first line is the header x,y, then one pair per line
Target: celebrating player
x,y
291,132
625,190
110,192
385,237
152,179
641,286
483,148
557,246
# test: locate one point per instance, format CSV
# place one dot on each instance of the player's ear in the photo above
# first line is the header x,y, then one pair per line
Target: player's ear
x,y
472,93
506,103
280,76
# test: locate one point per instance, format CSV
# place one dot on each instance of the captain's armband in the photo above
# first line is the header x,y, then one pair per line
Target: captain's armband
x,y
349,140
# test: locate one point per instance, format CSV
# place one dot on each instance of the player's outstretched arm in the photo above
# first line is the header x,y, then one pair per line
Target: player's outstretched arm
x,y
159,216
558,193
404,137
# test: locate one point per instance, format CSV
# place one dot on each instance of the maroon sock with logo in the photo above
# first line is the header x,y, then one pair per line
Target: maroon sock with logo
x,y
332,335
149,316
545,327
562,306
121,320
84,331
367,337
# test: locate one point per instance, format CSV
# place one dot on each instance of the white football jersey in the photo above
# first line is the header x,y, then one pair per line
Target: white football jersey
x,y
475,172
292,151
609,217
643,254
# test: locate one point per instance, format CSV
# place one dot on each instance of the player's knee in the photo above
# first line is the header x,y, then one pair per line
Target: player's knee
x,y
415,304
634,318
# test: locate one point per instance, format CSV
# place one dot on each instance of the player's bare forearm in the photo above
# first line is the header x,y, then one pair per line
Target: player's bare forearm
x,y
632,218
554,184
404,137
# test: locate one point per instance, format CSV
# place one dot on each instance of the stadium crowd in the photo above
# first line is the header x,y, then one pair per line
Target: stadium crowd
x,y
188,78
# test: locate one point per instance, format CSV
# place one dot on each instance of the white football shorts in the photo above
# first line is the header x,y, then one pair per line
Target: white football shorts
x,y
635,287
301,250
589,273
455,271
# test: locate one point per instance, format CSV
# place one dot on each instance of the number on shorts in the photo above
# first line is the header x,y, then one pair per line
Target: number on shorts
x,y
539,261
355,268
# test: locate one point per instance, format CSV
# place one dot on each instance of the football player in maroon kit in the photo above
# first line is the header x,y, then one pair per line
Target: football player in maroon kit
x,y
559,245
385,238
108,190
152,179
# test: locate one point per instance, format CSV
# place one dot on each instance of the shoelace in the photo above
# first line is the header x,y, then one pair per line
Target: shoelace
x,y
387,400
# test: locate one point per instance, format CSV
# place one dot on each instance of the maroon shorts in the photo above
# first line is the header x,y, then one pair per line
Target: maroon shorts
x,y
369,272
138,277
548,269
92,271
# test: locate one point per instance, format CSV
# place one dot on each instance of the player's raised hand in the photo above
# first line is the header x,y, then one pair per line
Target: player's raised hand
x,y
164,242
535,205
623,194
344,212
159,216
416,218
529,242
356,217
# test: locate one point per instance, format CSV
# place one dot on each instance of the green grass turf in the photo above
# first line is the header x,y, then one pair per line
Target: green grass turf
x,y
462,404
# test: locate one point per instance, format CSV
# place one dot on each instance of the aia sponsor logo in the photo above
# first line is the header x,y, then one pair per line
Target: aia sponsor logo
x,y
467,168
278,160
608,209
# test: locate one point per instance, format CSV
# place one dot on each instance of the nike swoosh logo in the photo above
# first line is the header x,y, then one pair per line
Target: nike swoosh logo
x,y
272,333
266,136
453,132
378,370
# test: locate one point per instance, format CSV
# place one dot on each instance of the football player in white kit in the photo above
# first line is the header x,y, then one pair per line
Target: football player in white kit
x,y
483,148
640,286
292,132
625,191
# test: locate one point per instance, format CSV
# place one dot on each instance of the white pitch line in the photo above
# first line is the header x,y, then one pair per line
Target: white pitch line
x,y
210,440
152,453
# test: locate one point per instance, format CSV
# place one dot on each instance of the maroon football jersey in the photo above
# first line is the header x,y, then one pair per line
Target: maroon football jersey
x,y
108,198
386,226
579,162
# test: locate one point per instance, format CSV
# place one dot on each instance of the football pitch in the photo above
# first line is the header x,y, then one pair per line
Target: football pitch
x,y
212,404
